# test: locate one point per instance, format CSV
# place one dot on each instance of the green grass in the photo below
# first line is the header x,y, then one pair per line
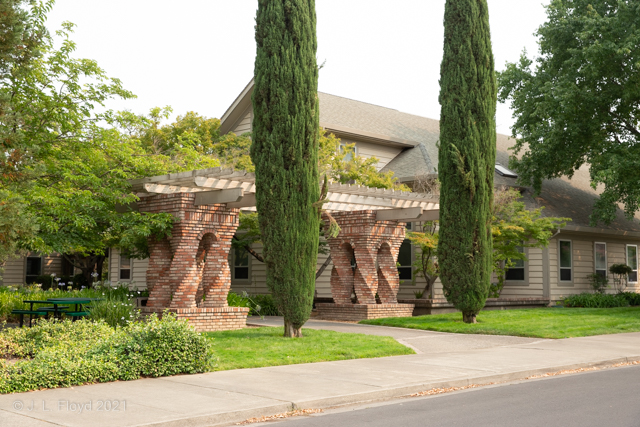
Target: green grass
x,y
258,347
538,322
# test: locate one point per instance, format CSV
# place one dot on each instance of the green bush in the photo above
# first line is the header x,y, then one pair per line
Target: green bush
x,y
632,297
588,300
260,305
63,354
264,305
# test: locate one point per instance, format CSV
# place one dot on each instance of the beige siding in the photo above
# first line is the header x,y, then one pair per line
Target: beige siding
x,y
52,264
383,153
258,277
243,125
138,270
14,270
532,286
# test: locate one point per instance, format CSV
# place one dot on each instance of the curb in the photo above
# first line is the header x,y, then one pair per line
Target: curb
x,y
382,394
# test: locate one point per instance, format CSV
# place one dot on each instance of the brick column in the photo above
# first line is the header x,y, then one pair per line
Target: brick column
x,y
158,282
376,245
194,262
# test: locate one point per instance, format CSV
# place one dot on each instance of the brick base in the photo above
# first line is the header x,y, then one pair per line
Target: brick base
x,y
357,312
208,319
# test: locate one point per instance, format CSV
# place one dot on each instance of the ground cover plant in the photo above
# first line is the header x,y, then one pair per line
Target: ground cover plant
x,y
553,322
62,354
258,347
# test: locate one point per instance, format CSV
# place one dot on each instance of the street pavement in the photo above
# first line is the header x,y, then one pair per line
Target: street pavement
x,y
594,399
441,360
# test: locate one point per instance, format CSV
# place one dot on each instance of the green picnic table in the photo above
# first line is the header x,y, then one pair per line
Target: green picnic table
x,y
39,311
78,302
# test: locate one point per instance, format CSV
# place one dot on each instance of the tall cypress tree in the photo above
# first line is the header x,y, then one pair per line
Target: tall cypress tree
x,y
285,153
466,155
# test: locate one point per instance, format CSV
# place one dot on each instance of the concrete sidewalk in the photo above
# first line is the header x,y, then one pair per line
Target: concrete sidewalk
x,y
445,360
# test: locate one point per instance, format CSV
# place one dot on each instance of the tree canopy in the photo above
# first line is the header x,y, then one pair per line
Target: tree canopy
x,y
578,101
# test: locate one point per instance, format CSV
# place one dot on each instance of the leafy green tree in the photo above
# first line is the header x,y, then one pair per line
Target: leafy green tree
x,y
426,265
285,153
513,228
579,101
466,156
80,158
22,32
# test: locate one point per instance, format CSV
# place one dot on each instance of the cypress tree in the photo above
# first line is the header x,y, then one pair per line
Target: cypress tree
x,y
466,156
285,153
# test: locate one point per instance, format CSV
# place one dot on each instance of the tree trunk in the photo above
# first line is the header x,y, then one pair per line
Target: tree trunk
x,y
469,317
323,267
100,265
290,331
426,293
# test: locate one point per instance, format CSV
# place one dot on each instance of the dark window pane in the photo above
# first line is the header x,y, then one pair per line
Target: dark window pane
x,y
565,274
601,273
633,276
241,258
241,272
404,273
34,266
125,274
404,256
514,274
565,254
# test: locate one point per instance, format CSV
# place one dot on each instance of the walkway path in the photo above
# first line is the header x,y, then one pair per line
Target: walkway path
x,y
231,396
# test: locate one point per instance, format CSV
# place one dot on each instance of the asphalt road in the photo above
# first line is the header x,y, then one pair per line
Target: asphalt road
x,y
610,397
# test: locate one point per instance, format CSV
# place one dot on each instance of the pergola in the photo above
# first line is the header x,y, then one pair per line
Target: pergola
x,y
189,273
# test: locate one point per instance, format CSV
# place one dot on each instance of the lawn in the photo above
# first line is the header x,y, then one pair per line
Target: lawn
x,y
258,347
538,322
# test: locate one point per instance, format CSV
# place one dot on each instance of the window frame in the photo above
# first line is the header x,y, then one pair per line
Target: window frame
x,y
525,271
120,269
233,265
595,259
627,260
26,261
411,257
560,267
354,153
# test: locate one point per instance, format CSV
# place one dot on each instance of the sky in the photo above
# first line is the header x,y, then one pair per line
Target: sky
x,y
198,55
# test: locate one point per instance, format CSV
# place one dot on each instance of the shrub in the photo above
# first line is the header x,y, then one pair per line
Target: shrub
x,y
598,283
260,305
588,300
69,353
632,297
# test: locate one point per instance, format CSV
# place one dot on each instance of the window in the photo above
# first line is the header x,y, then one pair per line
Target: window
x,y
125,268
405,270
516,272
600,251
240,264
34,269
409,226
632,261
351,148
565,261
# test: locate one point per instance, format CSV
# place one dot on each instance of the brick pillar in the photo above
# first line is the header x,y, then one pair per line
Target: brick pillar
x,y
376,245
194,262
341,274
158,282
216,279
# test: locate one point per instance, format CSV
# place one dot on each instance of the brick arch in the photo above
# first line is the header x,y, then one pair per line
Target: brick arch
x,y
341,274
388,279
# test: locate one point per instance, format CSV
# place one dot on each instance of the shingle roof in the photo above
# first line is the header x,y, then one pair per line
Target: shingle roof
x,y
561,197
